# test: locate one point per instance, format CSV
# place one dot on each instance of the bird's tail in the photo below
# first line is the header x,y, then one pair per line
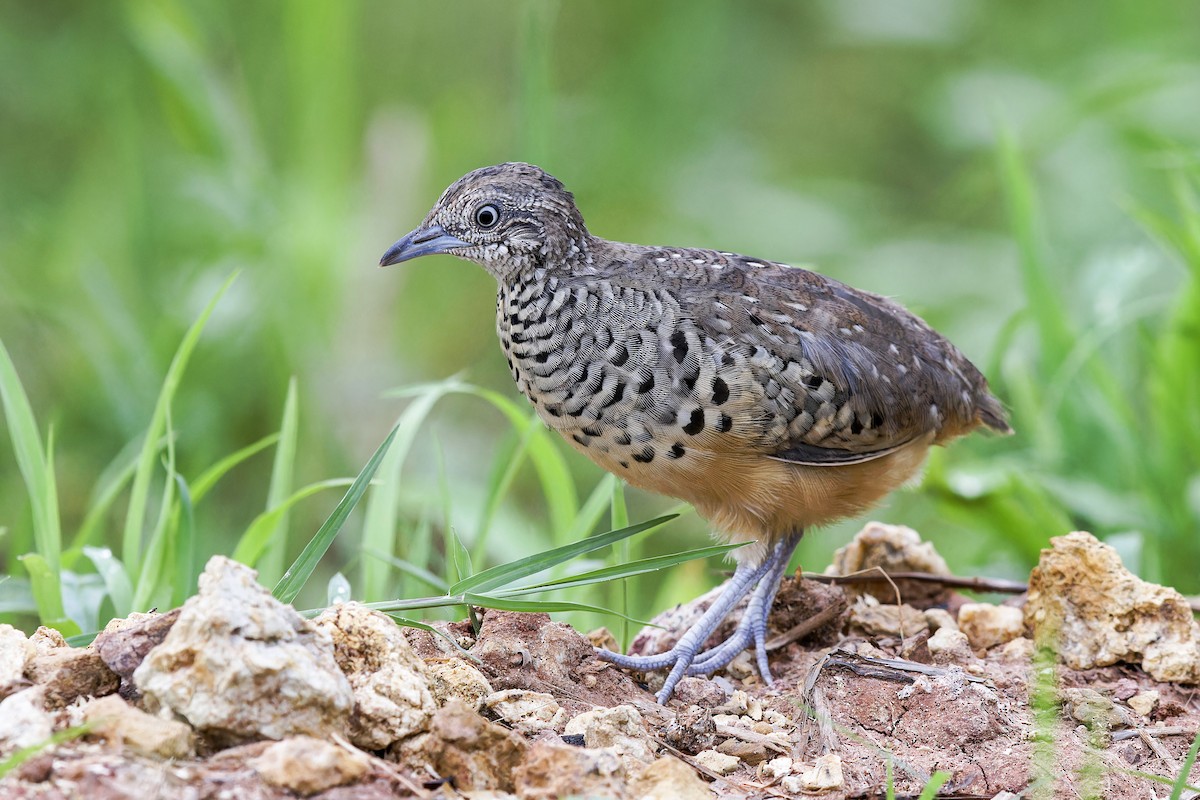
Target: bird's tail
x,y
990,412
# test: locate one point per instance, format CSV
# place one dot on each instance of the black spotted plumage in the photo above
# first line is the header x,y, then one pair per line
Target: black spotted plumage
x,y
771,397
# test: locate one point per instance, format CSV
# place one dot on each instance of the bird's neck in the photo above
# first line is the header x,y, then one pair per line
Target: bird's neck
x,y
569,251
568,257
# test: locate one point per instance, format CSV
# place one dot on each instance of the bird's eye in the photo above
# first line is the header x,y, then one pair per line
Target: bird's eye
x,y
487,216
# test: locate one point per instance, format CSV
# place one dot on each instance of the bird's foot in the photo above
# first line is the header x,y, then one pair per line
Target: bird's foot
x,y
751,629
761,581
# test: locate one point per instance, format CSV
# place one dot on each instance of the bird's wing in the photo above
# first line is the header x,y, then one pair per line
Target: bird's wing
x,y
842,376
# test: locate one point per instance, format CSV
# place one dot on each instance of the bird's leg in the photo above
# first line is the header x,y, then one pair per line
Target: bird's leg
x,y
745,578
753,625
685,657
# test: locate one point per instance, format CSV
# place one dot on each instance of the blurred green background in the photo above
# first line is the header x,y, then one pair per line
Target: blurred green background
x,y
1020,174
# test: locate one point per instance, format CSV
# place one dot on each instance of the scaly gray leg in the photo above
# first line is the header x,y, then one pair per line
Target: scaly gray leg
x,y
685,658
753,625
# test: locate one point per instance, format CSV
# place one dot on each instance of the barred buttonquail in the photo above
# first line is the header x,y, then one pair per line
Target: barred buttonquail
x,y
770,397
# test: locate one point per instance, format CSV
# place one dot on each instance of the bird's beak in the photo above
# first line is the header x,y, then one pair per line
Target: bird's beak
x,y
421,242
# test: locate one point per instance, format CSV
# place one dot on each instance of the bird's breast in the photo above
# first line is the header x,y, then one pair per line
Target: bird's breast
x,y
625,378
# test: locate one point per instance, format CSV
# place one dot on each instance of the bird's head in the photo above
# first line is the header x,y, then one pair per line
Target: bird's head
x,y
506,218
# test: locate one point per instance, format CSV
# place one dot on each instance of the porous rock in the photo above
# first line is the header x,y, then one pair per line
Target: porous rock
x,y
124,643
1093,709
391,693
306,766
669,779
1085,604
876,619
454,679
462,745
1145,702
551,771
691,730
16,653
1020,649
776,768
938,618
238,665
695,691
68,673
741,703
47,640
24,721
115,720
892,548
529,651
620,728
825,774
950,646
987,625
527,712
752,753
445,641
718,762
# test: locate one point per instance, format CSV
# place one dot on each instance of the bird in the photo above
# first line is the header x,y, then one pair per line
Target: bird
x,y
771,398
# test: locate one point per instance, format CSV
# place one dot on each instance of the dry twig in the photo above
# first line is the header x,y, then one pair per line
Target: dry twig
x,y
999,585
1172,730
978,584
807,626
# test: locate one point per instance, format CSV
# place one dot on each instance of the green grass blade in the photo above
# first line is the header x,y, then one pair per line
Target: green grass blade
x,y
510,462
539,606
206,480
554,475
383,505
83,594
619,513
1150,776
408,568
508,573
588,517
16,596
1044,299
390,607
257,536
47,594
116,579
37,469
621,571
417,603
418,550
557,486
458,556
185,562
302,568
536,50
131,540
270,564
337,590
451,547
50,545
109,485
422,626
379,519
619,518
153,578
22,755
1180,784
935,784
